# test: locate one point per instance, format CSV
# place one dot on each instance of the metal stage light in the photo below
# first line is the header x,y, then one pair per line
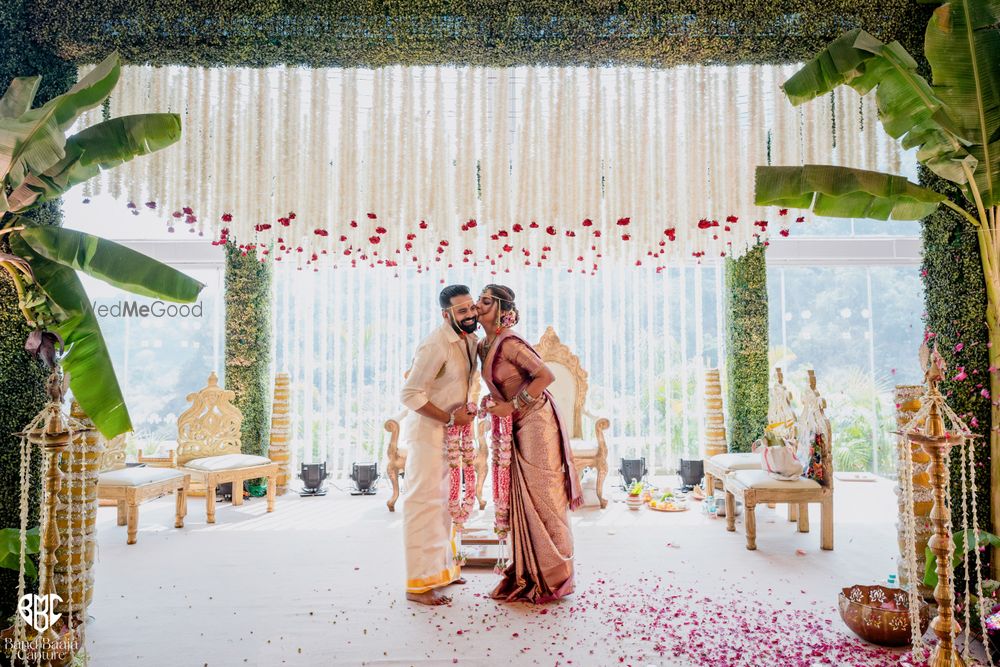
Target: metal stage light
x,y
312,476
365,477
632,469
691,473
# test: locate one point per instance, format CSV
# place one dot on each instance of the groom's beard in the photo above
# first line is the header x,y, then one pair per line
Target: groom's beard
x,y
468,325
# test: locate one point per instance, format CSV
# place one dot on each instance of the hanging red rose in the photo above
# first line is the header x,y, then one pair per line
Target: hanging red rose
x,y
374,240
443,242
177,214
321,232
731,219
588,222
517,227
550,230
533,225
762,224
597,233
423,225
508,248
372,216
151,204
784,232
262,227
187,210
670,233
503,233
626,237
354,224
570,232
343,238
623,221
783,211
380,230
411,236
800,219
227,217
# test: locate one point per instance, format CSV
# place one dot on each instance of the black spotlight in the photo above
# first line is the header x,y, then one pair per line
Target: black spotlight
x,y
312,476
632,469
365,476
691,473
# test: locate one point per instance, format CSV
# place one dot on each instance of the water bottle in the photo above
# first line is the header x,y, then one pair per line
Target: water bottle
x,y
713,507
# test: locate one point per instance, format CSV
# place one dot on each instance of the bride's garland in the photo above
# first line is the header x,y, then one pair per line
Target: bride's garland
x,y
502,441
460,448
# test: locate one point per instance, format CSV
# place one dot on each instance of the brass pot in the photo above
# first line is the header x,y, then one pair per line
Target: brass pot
x,y
860,607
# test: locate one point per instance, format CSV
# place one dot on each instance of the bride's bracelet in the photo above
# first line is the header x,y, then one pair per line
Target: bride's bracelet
x,y
525,398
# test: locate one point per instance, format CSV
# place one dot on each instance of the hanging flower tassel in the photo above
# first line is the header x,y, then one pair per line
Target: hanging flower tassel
x,y
501,438
461,453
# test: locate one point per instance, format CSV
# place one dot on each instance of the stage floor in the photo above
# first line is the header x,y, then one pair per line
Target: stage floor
x,y
320,582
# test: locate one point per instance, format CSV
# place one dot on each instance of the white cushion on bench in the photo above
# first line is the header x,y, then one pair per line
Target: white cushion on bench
x,y
137,476
758,479
226,462
737,461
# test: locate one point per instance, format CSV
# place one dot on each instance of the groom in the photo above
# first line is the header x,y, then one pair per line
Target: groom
x,y
436,391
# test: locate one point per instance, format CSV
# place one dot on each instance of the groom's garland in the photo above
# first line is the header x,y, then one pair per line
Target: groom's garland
x,y
460,448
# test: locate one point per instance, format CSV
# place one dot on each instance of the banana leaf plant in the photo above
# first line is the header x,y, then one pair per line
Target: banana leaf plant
x,y
953,121
38,164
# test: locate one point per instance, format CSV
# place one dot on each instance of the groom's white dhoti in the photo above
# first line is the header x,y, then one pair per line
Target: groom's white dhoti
x,y
443,372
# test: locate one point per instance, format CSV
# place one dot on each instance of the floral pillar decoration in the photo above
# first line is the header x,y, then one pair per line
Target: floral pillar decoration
x,y
715,422
248,342
277,450
747,348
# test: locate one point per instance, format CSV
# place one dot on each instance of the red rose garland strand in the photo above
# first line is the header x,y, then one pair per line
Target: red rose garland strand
x,y
461,452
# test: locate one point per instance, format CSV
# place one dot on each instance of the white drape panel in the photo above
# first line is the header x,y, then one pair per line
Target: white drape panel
x,y
555,146
347,336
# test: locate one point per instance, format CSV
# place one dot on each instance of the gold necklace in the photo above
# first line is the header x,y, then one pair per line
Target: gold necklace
x,y
488,343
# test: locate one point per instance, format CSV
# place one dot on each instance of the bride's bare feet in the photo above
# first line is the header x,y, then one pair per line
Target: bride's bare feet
x,y
433,598
459,581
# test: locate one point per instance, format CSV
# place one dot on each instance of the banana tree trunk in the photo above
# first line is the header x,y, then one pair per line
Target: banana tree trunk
x,y
990,258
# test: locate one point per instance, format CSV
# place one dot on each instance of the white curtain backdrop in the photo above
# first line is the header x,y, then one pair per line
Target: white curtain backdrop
x,y
393,147
645,338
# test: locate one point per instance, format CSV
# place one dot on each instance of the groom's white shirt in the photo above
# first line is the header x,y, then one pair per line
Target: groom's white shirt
x,y
444,371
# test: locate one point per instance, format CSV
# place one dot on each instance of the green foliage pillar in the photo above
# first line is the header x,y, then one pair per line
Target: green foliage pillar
x,y
22,379
746,348
955,303
248,343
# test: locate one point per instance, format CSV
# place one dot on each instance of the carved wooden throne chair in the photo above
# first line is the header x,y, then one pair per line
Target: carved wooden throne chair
x,y
208,447
570,393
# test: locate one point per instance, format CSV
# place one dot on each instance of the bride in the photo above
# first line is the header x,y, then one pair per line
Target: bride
x,y
543,484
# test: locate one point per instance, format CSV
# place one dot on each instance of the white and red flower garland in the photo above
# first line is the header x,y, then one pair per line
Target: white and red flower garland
x,y
495,168
461,452
502,441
